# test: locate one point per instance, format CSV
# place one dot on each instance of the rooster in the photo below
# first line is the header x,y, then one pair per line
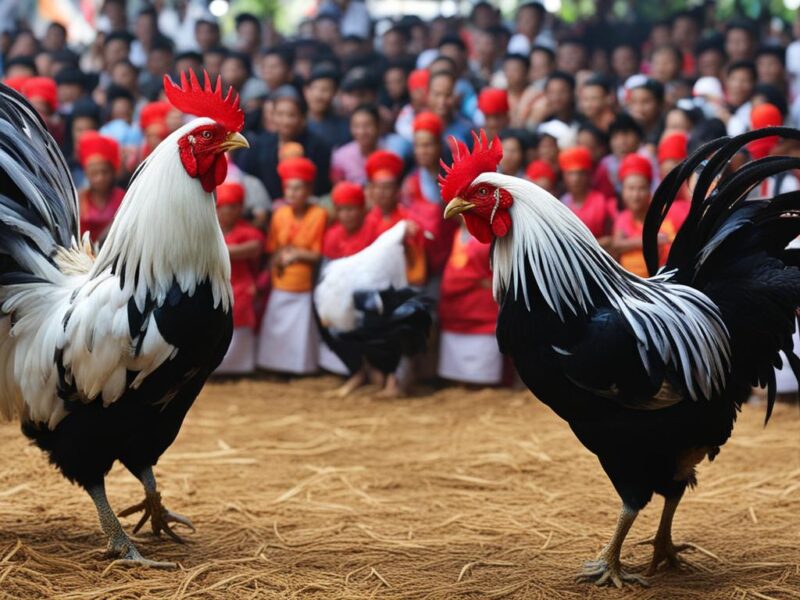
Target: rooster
x,y
102,357
649,373
367,312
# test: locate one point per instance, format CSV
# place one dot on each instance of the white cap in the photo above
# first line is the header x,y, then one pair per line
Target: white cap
x,y
565,136
708,86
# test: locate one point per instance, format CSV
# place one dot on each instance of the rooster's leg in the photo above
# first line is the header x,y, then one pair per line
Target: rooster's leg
x,y
119,544
160,517
664,550
607,567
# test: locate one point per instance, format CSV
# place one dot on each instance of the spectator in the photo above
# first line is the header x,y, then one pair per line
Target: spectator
x,y
771,67
245,246
515,73
349,162
710,57
596,102
740,41
740,82
441,100
248,35
206,34
516,143
494,106
645,104
542,174
347,235
625,137
289,340
592,207
319,93
99,201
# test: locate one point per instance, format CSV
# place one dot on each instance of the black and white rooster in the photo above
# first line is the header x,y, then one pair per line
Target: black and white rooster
x,y
368,314
649,373
102,357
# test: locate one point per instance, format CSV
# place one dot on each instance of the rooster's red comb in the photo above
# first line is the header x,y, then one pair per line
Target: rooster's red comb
x,y
484,158
206,100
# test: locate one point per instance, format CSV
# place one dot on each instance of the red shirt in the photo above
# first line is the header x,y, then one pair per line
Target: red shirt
x,y
337,243
429,213
97,220
243,274
466,304
598,212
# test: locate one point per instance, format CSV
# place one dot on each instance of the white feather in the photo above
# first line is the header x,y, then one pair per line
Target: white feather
x,y
379,266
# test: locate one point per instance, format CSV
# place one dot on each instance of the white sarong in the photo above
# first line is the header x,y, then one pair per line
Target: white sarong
x,y
470,358
241,355
289,339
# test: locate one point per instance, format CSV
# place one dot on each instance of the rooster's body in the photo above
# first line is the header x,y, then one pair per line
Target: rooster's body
x,y
649,373
102,358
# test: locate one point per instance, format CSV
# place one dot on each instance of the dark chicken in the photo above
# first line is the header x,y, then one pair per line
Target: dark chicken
x,y
649,373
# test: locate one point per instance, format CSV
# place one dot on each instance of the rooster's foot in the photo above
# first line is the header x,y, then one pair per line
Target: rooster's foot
x,y
122,549
665,551
159,516
602,572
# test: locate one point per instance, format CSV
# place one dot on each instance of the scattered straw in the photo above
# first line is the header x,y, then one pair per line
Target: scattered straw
x,y
454,495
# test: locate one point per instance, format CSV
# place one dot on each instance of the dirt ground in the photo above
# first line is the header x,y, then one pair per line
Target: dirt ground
x,y
453,494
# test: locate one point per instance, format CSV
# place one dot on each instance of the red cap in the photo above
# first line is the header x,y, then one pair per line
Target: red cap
x,y
382,165
41,87
297,168
418,80
539,169
577,158
93,146
15,83
635,164
428,121
347,193
765,115
493,101
155,113
672,147
230,192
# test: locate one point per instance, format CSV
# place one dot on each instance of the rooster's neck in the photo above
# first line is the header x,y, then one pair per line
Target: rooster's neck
x,y
166,231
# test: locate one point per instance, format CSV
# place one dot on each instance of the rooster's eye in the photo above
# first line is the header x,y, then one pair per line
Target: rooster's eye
x,y
482,191
206,134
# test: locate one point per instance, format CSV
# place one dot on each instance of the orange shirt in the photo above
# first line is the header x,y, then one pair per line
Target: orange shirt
x,y
307,233
376,223
633,260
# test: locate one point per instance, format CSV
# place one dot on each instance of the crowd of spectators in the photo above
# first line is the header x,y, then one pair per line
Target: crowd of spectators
x,y
347,125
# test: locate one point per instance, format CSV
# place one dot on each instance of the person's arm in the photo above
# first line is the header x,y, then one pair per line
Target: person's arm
x,y
292,254
245,250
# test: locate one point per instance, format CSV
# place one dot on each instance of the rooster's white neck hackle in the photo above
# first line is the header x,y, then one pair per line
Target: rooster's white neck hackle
x,y
167,230
574,274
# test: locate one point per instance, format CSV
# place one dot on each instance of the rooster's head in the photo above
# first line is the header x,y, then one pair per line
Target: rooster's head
x,y
485,207
202,149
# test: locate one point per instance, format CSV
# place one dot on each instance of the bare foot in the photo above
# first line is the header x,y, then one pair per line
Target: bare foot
x,y
392,388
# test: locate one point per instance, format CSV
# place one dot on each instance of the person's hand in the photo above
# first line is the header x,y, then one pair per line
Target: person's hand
x,y
288,256
539,110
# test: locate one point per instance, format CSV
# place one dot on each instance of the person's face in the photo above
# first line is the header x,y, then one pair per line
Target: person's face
x,y
659,35
625,142
115,51
738,45
441,98
770,70
516,73
365,130
664,65
394,80
327,31
685,32
528,22
319,95
124,76
483,17
664,167
643,106
636,193
427,149
212,62
548,150
81,125
677,121
68,92
513,157
233,72
228,215
351,217
100,175
559,96
393,45
274,71
296,192
154,135
384,194
24,45
207,36
484,48
187,64
709,63
576,182
541,65
496,123
456,54
570,58
288,119
18,71
44,64
115,12
739,86
122,108
159,62
419,39
352,99
145,29
592,101
545,184
624,62
249,35
590,142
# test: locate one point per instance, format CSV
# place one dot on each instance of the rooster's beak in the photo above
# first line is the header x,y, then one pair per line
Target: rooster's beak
x,y
456,206
233,141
